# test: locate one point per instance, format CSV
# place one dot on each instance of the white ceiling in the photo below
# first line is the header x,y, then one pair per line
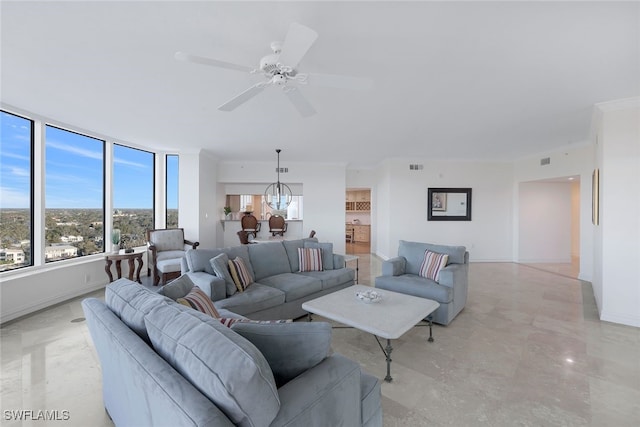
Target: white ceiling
x,y
463,80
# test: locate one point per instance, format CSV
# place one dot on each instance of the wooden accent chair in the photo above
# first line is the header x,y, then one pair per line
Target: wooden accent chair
x,y
277,225
312,234
166,248
250,224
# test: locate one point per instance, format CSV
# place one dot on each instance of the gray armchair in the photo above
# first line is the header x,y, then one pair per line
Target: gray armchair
x,y
401,274
166,249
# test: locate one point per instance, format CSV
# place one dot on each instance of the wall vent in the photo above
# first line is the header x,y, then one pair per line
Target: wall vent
x,y
416,167
282,170
545,161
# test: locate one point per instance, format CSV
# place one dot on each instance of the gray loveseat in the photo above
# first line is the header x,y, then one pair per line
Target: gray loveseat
x,y
401,274
165,364
279,289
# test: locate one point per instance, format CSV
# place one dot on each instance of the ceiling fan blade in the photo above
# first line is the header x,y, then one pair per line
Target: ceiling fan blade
x,y
181,56
242,98
340,82
298,41
299,101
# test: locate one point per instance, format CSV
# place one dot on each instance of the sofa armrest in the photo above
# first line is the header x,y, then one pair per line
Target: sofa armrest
x,y
338,261
453,274
213,286
326,395
394,266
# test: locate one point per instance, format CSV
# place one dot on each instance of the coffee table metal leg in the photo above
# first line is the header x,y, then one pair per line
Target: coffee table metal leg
x,y
387,352
430,319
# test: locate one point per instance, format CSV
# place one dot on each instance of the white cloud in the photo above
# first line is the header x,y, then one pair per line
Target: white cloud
x,y
75,150
11,198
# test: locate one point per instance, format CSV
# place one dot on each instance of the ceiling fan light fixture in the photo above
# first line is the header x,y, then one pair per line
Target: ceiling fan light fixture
x,y
278,196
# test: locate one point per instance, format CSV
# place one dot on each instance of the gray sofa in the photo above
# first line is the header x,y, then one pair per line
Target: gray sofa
x,y
279,289
400,274
165,364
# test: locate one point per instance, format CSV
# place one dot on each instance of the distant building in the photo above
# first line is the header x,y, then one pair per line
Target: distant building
x,y
60,252
14,256
71,239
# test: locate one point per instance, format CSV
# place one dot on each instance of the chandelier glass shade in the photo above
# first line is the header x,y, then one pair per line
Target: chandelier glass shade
x,y
278,195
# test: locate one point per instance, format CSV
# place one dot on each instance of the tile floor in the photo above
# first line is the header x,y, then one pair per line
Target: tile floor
x,y
528,350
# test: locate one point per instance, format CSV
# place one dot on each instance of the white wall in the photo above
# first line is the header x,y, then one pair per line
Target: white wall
x,y
617,243
572,161
545,222
402,200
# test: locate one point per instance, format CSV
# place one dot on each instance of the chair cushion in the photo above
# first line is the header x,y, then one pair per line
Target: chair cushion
x,y
168,265
198,300
327,253
290,348
310,259
167,240
161,256
431,265
223,365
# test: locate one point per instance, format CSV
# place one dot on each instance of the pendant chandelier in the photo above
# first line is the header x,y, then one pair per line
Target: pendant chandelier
x,y
278,195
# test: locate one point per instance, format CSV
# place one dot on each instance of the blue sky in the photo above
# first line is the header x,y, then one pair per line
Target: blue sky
x,y
74,170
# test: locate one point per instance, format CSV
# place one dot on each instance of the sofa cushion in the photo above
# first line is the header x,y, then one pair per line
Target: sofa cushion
x,y
240,274
223,365
332,278
131,301
198,300
177,288
291,247
220,266
413,252
268,259
290,348
294,285
257,297
431,265
310,259
199,260
415,285
327,253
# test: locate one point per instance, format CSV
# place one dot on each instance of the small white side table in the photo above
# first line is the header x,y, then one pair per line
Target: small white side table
x,y
348,258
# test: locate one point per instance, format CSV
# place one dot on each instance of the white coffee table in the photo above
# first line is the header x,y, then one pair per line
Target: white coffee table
x,y
390,318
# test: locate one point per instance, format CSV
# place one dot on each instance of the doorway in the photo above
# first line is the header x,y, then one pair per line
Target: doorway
x,y
358,220
549,225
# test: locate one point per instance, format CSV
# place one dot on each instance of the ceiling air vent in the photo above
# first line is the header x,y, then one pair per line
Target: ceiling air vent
x,y
545,161
282,170
416,167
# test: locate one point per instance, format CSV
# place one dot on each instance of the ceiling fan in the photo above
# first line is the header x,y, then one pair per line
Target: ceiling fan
x,y
280,69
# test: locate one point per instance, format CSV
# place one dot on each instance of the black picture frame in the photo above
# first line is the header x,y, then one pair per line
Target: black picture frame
x,y
454,204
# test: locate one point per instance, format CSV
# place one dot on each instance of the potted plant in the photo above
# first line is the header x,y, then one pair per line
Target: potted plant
x,y
227,212
115,239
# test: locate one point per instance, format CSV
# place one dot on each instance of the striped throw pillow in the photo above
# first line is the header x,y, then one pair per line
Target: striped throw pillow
x,y
310,259
240,274
432,263
198,300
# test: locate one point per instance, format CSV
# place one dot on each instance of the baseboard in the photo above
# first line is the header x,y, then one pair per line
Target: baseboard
x,y
47,303
622,319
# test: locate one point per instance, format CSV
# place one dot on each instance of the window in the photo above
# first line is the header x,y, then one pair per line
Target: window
x,y
133,189
16,189
172,169
74,195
